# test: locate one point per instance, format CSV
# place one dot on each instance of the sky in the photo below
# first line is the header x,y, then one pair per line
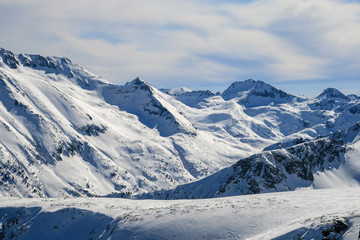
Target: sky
x,y
300,46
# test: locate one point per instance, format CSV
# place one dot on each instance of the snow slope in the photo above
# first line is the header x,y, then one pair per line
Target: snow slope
x,y
64,139
150,106
190,98
306,214
277,170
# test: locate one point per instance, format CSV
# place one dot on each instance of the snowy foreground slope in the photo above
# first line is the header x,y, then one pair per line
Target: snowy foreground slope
x,y
304,214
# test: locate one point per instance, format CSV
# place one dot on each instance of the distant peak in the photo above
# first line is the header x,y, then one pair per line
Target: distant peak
x,y
253,87
139,83
179,91
247,85
332,93
136,81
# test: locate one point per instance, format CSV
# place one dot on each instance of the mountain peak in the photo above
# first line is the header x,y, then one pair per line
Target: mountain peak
x,y
332,93
139,83
254,89
242,86
138,80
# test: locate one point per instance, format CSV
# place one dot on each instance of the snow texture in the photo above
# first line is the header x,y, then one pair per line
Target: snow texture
x,y
304,214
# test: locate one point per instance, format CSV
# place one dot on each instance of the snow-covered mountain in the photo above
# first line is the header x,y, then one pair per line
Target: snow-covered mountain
x,y
72,133
65,132
332,93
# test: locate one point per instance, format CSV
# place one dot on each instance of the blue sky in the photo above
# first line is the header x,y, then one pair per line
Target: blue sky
x,y
301,46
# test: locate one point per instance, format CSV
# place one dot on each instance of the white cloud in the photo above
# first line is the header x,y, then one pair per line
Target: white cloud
x,y
188,41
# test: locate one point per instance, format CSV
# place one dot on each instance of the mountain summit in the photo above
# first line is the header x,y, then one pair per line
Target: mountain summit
x,y
249,91
150,105
332,93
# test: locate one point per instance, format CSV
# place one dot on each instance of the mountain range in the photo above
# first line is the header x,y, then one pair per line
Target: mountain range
x,y
66,132
72,133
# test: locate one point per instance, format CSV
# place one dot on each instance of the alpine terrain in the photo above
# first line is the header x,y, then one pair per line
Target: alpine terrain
x,y
83,158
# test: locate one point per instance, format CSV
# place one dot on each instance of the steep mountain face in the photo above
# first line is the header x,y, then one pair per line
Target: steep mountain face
x,y
149,105
64,139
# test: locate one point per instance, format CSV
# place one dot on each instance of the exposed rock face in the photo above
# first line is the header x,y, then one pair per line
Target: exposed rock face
x,y
281,169
9,58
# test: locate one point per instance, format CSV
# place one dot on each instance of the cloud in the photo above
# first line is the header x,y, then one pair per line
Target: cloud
x,y
176,43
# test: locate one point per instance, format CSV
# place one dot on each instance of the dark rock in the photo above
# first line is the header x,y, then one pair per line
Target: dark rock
x,y
9,58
